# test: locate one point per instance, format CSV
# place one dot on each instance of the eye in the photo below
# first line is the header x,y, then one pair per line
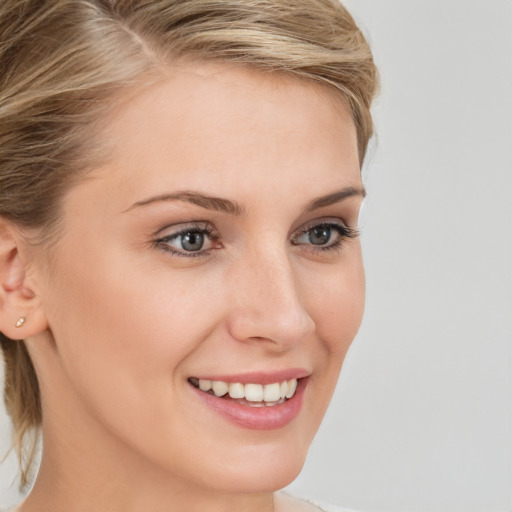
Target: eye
x,y
319,235
326,235
189,241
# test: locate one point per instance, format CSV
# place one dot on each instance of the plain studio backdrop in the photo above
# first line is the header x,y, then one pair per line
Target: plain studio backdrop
x,y
422,417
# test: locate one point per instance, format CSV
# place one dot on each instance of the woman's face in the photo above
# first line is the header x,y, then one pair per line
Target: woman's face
x,y
215,245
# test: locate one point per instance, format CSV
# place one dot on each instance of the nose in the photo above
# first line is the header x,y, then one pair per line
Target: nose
x,y
266,302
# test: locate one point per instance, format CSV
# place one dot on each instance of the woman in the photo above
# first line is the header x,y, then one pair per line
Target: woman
x,y
181,273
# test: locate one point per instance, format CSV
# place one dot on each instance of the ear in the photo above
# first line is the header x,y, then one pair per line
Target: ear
x,y
21,312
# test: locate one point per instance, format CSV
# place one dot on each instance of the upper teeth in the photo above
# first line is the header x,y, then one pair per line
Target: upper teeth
x,y
251,392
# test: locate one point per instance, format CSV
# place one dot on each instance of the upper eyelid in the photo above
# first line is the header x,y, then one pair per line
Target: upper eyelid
x,y
322,221
176,229
210,228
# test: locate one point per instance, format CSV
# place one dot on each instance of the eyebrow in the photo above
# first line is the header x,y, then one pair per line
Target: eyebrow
x,y
335,197
233,208
208,202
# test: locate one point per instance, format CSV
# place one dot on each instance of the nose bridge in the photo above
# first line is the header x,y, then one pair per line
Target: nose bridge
x,y
267,302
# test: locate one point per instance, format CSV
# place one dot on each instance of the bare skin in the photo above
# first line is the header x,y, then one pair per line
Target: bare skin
x,y
125,309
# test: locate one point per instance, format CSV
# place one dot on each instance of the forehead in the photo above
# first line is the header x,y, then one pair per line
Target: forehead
x,y
210,87
230,129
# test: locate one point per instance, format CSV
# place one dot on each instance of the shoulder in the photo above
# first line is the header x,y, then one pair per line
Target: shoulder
x,y
327,507
287,503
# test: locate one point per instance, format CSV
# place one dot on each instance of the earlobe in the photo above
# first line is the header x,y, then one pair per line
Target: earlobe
x,y
21,314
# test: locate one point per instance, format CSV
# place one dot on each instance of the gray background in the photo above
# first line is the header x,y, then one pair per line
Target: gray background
x,y
422,418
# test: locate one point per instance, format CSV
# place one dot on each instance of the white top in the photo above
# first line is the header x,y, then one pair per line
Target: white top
x,y
289,503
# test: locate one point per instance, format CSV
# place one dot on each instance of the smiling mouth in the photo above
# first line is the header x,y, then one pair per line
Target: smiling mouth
x,y
251,395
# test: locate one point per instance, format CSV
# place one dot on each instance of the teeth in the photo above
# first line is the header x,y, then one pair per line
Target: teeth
x,y
219,388
236,390
283,389
268,394
292,386
272,392
255,404
254,392
243,401
205,385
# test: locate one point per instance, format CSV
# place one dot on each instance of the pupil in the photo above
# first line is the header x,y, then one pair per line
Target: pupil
x,y
192,241
320,235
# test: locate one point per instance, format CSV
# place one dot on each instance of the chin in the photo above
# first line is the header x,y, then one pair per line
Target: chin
x,y
258,467
259,476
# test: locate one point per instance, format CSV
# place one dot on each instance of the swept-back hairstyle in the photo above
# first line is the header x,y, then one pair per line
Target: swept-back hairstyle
x,y
63,63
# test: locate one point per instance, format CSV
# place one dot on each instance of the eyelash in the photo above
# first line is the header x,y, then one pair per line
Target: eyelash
x,y
344,232
202,228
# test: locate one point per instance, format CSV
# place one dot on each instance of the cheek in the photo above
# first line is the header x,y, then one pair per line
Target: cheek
x,y
119,331
338,306
122,338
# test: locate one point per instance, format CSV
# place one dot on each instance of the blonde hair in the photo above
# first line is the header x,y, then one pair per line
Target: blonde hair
x,y
63,61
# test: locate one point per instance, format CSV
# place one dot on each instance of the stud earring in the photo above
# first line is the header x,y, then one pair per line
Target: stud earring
x,y
20,322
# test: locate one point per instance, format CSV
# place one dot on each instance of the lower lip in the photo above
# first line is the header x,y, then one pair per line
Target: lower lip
x,y
257,418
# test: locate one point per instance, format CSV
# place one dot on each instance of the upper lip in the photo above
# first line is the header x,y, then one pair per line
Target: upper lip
x,y
259,377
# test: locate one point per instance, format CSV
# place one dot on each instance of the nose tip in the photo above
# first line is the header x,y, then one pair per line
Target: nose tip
x,y
283,329
269,307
